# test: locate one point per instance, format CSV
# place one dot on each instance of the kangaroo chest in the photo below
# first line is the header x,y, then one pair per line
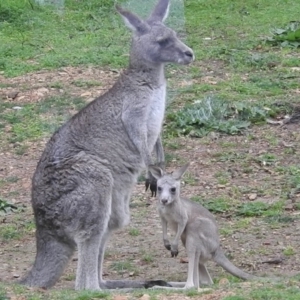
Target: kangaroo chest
x,y
170,216
156,114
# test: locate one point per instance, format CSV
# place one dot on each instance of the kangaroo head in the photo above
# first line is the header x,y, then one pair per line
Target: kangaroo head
x,y
153,43
168,185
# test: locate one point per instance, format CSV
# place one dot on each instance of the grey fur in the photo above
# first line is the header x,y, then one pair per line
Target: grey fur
x,y
83,182
196,227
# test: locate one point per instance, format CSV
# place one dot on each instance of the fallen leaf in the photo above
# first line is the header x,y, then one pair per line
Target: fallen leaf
x,y
184,260
223,281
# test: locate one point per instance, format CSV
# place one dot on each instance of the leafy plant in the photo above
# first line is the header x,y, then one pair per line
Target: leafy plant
x,y
286,37
6,207
215,114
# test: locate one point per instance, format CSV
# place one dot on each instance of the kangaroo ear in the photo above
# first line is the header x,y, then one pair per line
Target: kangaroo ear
x,y
179,172
132,21
156,171
160,12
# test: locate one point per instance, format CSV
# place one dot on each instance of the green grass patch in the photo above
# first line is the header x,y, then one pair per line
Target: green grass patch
x,y
123,266
33,121
134,231
246,209
218,205
9,231
215,114
39,36
21,292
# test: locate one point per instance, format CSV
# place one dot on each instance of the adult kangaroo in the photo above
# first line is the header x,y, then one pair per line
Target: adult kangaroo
x,y
82,184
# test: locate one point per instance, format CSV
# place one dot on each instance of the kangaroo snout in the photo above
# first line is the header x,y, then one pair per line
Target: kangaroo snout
x,y
188,57
164,201
189,54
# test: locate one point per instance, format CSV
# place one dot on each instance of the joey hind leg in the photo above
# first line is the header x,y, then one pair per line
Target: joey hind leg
x,y
204,277
192,256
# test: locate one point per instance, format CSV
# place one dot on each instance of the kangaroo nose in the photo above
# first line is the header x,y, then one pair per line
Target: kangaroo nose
x,y
189,53
164,201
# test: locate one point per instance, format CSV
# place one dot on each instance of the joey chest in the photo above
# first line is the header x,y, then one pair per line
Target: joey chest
x,y
172,217
156,114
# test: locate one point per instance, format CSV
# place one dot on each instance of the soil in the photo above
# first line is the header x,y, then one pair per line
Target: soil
x,y
258,247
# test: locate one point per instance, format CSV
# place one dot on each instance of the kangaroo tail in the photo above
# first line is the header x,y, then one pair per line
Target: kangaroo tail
x,y
51,258
225,263
127,284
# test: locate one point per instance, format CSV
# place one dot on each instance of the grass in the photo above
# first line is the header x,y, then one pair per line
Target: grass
x,y
35,120
232,291
36,36
123,266
225,205
134,231
16,230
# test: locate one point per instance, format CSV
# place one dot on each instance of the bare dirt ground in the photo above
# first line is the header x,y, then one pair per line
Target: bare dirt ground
x,y
249,242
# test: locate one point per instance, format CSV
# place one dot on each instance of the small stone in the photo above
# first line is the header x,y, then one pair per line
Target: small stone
x,y
145,297
13,94
252,196
289,207
267,243
16,275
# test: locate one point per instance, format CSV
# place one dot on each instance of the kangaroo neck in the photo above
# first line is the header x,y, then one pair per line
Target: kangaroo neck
x,y
152,74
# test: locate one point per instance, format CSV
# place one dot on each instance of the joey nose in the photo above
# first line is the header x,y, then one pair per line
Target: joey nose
x,y
164,201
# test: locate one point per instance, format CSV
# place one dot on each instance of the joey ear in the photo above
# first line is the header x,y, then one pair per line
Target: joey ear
x,y
132,21
156,171
179,172
160,11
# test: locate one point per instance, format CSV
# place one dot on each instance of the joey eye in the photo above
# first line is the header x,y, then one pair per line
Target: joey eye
x,y
159,189
173,190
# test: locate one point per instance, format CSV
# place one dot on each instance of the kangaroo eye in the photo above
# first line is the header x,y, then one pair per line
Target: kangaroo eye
x,y
159,189
173,190
163,42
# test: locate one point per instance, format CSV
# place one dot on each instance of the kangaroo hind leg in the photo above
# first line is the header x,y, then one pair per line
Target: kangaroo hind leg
x,y
51,258
96,196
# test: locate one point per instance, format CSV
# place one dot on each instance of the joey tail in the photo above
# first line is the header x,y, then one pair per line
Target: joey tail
x,y
225,263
